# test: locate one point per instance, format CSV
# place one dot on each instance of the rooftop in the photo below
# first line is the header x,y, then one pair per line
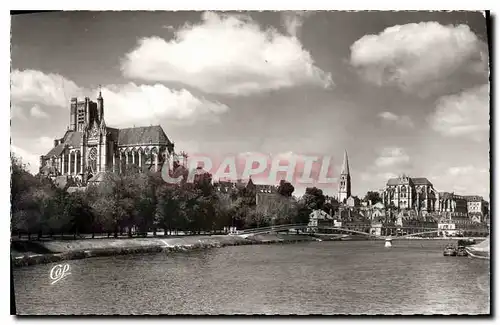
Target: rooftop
x,y
142,135
413,180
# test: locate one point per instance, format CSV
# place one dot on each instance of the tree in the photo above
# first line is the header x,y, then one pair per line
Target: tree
x,y
285,188
75,211
279,209
223,210
168,207
372,196
118,204
303,213
145,199
34,201
314,198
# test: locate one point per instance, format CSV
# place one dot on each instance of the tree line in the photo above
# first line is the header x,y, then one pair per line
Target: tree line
x,y
137,202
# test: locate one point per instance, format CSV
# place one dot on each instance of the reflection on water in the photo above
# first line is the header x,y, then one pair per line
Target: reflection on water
x,y
412,277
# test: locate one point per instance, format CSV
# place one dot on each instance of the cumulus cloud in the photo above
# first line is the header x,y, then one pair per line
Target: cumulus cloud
x,y
460,170
125,104
379,178
404,121
32,86
225,54
31,160
293,20
421,57
131,103
391,157
44,144
36,111
464,180
465,114
17,112
31,151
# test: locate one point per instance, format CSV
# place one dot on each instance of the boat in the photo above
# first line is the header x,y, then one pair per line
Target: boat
x,y
466,242
450,250
480,250
461,251
388,242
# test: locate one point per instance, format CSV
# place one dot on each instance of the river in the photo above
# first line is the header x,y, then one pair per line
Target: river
x,y
349,277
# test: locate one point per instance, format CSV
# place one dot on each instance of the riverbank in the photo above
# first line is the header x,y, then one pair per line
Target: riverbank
x,y
31,253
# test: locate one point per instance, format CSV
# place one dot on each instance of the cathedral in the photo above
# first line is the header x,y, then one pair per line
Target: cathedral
x,y
416,193
89,148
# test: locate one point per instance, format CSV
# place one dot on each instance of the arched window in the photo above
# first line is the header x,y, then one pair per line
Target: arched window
x,y
78,162
93,159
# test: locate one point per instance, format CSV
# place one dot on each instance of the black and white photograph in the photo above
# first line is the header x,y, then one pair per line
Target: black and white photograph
x,y
208,162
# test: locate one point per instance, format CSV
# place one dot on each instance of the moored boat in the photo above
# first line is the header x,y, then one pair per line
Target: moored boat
x,y
466,242
461,251
450,250
480,250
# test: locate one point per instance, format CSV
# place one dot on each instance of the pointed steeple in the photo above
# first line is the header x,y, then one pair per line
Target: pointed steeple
x,y
250,184
100,107
345,165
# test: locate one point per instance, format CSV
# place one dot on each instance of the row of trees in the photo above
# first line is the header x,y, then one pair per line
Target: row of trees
x,y
143,202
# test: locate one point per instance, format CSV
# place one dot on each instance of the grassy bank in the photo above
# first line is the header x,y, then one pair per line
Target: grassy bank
x,y
32,253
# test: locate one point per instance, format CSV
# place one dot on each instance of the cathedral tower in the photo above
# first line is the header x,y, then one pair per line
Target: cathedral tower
x,y
73,114
345,180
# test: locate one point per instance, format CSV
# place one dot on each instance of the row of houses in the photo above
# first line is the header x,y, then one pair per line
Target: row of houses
x,y
403,223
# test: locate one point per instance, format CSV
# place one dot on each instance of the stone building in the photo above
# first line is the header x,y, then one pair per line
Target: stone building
x,y
416,193
89,147
477,208
453,203
225,186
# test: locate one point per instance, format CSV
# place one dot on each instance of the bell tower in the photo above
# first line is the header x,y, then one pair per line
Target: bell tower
x,y
345,180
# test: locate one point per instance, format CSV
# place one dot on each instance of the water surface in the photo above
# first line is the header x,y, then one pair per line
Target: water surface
x,y
350,277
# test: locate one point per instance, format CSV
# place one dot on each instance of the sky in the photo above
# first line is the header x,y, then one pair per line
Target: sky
x,y
402,92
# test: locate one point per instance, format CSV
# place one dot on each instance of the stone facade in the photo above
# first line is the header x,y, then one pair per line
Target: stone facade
x,y
411,193
477,206
455,204
90,148
419,195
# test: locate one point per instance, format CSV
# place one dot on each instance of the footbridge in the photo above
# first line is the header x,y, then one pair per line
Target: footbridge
x,y
330,230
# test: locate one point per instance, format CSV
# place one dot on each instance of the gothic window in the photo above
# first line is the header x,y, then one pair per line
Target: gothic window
x,y
136,158
66,163
123,160
147,160
93,159
78,161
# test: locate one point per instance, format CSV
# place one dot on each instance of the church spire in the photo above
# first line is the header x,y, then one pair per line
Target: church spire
x,y
345,180
100,107
345,165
